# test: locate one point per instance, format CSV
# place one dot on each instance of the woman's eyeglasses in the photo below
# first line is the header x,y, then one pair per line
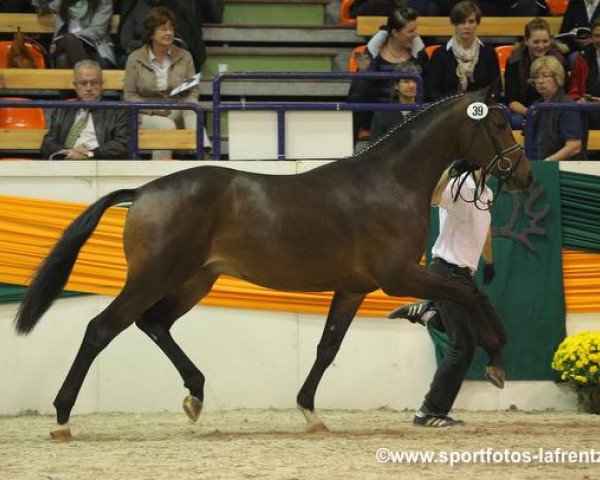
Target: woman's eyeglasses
x,y
542,77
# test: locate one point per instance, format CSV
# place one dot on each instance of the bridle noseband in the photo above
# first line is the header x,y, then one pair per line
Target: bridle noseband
x,y
502,159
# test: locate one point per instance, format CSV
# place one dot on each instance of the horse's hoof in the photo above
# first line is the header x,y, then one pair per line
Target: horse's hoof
x,y
495,375
62,433
314,423
318,427
192,407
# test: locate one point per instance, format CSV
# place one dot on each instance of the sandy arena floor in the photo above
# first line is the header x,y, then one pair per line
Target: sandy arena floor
x,y
271,444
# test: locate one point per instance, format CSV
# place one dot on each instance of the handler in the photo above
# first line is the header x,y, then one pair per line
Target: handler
x,y
464,237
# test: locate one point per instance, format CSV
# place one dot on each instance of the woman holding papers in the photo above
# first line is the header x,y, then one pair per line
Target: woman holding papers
x,y
155,70
81,32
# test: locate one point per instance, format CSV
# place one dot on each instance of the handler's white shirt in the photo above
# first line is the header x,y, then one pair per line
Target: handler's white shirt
x,y
463,226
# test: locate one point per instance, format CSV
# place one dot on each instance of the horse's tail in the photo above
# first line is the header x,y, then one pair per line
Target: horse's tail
x,y
53,274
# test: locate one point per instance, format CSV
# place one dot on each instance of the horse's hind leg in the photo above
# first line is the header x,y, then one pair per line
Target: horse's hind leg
x,y
341,313
120,314
157,321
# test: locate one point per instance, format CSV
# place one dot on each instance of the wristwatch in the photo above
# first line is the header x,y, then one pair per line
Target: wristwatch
x,y
90,154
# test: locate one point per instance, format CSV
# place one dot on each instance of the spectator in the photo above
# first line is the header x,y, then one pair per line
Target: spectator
x,y
16,6
579,13
82,31
521,8
526,8
556,134
465,63
399,43
88,133
190,17
154,70
585,76
385,7
405,91
519,92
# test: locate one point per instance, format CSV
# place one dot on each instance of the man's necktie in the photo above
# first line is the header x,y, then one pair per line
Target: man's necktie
x,y
76,130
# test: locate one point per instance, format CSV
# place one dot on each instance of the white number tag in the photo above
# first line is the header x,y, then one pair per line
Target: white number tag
x,y
477,110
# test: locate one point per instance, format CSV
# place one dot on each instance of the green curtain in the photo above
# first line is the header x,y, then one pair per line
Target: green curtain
x,y
580,206
14,293
528,288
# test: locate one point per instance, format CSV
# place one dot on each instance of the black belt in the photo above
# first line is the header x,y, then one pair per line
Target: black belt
x,y
463,270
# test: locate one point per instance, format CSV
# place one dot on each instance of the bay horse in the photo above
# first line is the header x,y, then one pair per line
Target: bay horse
x,y
350,226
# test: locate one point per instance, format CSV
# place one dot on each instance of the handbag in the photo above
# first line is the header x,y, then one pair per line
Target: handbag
x,y
20,54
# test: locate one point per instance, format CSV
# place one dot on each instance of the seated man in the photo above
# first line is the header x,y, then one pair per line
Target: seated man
x,y
584,84
88,134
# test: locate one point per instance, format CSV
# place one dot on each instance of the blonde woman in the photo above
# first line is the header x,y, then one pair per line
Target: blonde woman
x,y
557,134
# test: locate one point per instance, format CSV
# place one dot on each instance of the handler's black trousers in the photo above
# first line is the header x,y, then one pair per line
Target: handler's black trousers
x,y
462,332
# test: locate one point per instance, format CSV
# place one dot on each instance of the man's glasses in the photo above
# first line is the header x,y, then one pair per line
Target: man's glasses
x,y
86,83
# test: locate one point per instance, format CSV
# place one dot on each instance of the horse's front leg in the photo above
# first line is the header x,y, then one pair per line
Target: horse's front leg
x,y
341,313
417,281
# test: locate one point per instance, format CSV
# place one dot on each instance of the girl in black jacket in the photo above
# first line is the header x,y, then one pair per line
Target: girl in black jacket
x,y
464,63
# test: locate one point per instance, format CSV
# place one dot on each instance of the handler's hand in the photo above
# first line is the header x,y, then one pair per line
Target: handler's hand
x,y
459,167
488,273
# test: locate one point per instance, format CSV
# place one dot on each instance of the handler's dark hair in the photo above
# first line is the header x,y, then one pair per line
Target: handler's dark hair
x,y
156,17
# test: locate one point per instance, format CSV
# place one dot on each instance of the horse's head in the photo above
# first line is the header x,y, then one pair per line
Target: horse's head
x,y
489,143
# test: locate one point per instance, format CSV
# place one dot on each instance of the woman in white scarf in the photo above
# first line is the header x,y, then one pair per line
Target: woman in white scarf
x,y
465,46
465,63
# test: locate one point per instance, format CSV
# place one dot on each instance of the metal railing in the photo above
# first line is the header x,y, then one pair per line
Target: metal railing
x,y
282,107
133,107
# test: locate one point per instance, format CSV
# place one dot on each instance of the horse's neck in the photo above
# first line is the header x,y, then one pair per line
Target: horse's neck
x,y
428,156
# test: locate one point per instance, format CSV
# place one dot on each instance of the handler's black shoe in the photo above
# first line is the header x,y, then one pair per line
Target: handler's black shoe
x,y
435,421
417,312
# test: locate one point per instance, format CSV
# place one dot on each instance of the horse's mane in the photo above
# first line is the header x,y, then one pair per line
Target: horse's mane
x,y
408,121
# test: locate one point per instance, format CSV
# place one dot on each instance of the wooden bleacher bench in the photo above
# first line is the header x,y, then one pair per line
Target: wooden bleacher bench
x,y
365,26
32,23
441,26
13,140
51,79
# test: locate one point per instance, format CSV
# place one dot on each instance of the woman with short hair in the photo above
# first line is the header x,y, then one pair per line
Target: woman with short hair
x,y
465,63
154,70
557,134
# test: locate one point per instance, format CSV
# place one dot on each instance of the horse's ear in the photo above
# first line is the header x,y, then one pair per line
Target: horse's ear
x,y
492,90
